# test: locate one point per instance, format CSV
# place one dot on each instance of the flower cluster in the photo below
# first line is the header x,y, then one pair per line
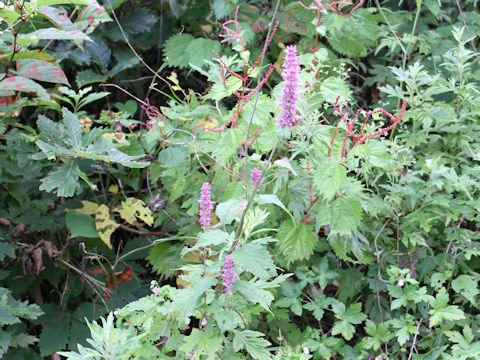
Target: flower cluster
x,y
206,206
256,176
290,75
228,274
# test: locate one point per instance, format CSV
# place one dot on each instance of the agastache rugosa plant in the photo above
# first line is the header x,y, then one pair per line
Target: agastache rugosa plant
x,y
359,138
290,75
256,176
228,274
246,93
206,206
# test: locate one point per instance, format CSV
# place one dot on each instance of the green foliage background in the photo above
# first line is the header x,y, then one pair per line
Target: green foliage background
x,y
105,111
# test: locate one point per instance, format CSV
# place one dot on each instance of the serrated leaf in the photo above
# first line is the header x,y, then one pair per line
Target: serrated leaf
x,y
63,181
328,179
73,129
6,250
297,241
54,336
186,302
347,317
6,316
254,292
442,311
206,343
255,259
175,48
466,286
86,77
99,53
272,199
346,39
50,34
253,342
20,84
41,70
227,211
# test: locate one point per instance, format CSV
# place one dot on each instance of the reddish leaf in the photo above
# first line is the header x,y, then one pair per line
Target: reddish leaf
x,y
41,70
22,84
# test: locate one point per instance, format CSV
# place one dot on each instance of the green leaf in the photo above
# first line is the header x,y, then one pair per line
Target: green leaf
x,y
6,316
442,311
298,240
73,129
99,53
253,342
63,181
346,39
347,317
253,291
346,214
466,286
271,199
207,343
54,336
81,225
6,250
50,34
175,50
86,77
329,178
318,305
187,300
5,341
379,334
227,211
255,259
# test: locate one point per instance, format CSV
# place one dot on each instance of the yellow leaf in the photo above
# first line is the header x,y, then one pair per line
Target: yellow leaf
x,y
88,208
105,226
133,209
113,189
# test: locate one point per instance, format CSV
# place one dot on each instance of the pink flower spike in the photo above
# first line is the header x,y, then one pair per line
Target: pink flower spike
x,y
256,177
291,74
206,206
228,274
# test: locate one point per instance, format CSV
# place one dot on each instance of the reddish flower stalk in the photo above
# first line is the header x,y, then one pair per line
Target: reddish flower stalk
x,y
359,138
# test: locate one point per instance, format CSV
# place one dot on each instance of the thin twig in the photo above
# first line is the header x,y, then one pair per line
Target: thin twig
x,y
143,233
415,339
126,92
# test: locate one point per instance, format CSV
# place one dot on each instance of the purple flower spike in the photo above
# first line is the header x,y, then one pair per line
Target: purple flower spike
x,y
256,176
290,76
206,206
228,274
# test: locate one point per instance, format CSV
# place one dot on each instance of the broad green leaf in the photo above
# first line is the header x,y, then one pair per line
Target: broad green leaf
x,y
73,129
187,299
204,343
442,311
227,211
253,291
50,34
272,199
253,342
255,259
63,181
347,317
81,225
296,241
6,249
466,286
329,178
86,77
41,3
10,16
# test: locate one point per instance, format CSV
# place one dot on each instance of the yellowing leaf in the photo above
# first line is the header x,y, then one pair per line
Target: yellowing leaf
x,y
89,208
113,189
105,226
133,209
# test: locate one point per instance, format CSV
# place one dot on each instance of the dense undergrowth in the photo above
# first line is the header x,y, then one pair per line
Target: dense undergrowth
x,y
229,179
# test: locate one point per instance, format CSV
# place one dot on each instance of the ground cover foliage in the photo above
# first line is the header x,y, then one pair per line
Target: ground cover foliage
x,y
229,179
